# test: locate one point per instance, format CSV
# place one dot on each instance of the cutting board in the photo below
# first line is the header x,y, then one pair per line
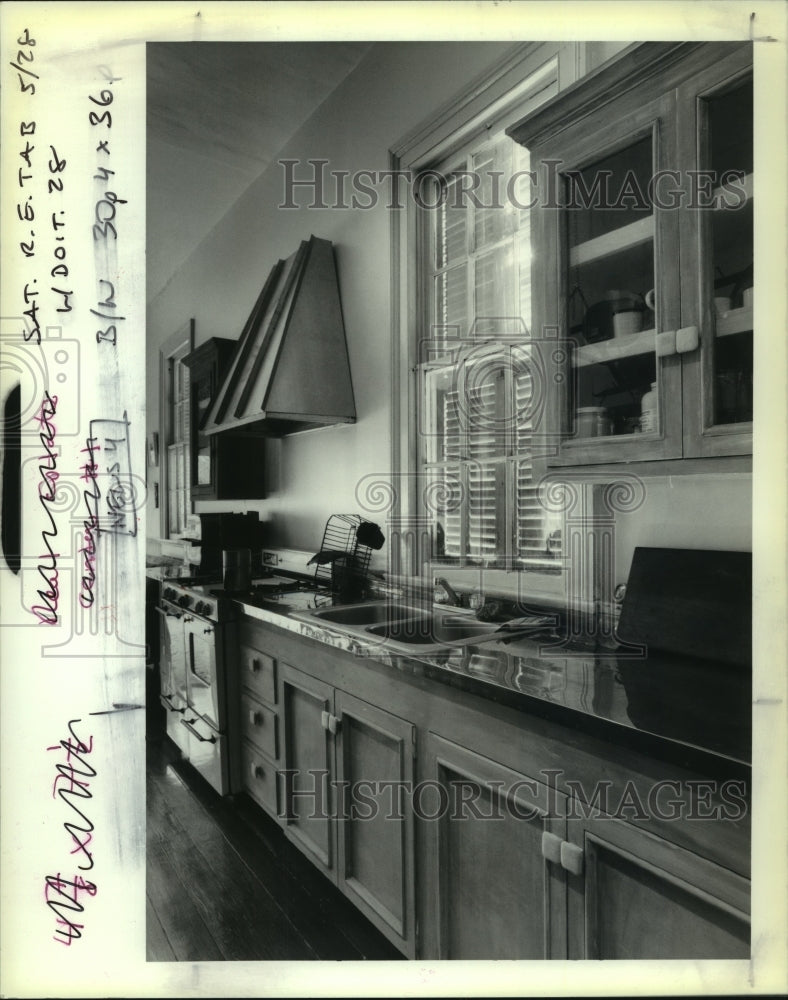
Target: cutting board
x,y
696,602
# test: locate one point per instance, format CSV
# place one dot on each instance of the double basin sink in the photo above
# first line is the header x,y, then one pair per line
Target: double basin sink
x,y
416,629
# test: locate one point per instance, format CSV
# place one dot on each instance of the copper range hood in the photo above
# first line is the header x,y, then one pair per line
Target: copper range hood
x,y
290,369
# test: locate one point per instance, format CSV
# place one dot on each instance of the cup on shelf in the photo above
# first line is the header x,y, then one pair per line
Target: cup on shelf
x,y
722,304
627,322
589,420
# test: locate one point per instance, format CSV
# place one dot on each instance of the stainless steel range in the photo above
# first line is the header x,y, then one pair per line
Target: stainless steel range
x,y
196,685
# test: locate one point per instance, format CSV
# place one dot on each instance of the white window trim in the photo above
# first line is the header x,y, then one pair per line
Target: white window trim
x,y
178,344
532,74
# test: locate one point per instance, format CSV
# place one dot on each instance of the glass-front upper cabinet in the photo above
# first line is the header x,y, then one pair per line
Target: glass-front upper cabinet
x,y
642,256
716,110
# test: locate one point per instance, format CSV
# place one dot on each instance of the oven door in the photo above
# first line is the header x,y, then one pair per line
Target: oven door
x,y
173,680
207,751
205,694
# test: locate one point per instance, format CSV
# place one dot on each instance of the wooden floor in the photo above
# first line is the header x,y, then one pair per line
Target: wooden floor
x,y
223,882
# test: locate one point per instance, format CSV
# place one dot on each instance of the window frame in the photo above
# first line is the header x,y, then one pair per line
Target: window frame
x,y
176,347
533,74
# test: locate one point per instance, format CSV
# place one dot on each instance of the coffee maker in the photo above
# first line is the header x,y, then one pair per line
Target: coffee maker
x,y
229,531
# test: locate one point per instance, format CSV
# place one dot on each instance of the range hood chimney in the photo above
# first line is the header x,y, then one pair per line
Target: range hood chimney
x,y
290,369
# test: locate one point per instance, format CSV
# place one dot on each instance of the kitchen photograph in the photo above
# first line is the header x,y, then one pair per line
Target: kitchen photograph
x,y
449,587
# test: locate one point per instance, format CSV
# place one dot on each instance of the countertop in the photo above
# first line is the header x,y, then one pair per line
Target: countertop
x,y
683,702
687,701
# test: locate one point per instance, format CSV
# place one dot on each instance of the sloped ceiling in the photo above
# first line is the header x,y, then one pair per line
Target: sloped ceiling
x,y
217,114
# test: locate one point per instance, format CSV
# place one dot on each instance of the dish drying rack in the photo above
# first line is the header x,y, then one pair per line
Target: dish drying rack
x,y
348,570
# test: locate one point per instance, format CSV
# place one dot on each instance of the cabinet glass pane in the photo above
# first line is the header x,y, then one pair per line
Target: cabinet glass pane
x,y
729,147
610,288
202,401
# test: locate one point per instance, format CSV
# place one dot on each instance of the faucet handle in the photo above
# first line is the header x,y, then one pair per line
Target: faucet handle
x,y
476,600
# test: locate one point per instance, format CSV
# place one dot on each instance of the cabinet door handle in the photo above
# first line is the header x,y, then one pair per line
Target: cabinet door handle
x,y
254,666
255,717
256,770
330,722
571,858
666,343
551,846
687,339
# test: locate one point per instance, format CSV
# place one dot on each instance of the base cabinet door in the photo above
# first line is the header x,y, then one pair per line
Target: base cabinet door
x,y
375,854
492,891
641,897
345,780
306,791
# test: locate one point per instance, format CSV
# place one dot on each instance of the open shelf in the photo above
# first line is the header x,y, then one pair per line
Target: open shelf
x,y
721,197
644,342
734,321
619,239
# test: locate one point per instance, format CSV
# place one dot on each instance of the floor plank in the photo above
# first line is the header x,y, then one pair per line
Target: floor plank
x,y
189,936
225,883
159,948
244,919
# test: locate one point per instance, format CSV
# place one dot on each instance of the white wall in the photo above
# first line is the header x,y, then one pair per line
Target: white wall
x,y
314,474
691,512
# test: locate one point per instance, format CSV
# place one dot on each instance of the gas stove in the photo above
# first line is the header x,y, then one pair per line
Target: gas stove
x,y
207,597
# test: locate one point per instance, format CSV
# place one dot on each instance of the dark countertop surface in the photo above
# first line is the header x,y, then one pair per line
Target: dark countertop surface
x,y
688,701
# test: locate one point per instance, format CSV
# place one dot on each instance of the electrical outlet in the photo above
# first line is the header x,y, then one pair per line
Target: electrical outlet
x,y
270,558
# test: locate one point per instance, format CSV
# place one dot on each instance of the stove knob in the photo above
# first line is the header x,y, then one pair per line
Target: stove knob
x,y
184,600
203,608
169,593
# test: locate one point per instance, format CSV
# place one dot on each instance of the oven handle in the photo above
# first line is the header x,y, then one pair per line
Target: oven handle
x,y
167,614
165,700
193,731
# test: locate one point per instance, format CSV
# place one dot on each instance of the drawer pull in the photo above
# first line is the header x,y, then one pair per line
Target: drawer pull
x,y
256,770
255,717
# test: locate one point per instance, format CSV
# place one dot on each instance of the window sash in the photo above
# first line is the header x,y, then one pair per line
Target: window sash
x,y
475,430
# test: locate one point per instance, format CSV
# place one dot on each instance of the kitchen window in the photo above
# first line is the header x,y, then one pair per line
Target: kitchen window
x,y
178,448
480,393
175,410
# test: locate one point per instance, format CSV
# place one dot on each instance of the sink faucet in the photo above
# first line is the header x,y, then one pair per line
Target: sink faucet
x,y
444,593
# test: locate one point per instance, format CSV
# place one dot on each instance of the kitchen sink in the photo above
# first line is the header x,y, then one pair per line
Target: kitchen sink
x,y
371,613
414,629
438,629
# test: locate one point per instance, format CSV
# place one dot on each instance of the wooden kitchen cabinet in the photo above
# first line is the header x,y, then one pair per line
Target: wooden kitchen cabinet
x,y
345,765
257,746
229,465
492,891
641,897
642,270
511,864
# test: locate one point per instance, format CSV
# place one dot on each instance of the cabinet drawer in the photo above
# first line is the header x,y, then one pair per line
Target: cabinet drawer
x,y
259,777
257,671
258,725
